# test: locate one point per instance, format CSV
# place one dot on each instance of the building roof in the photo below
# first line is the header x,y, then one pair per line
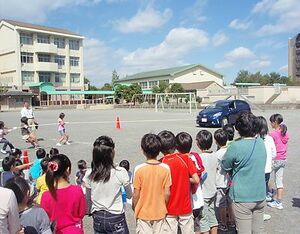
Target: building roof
x,y
197,85
165,72
40,27
16,93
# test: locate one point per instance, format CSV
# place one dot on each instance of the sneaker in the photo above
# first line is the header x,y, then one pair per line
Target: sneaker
x,y
68,143
222,227
267,217
269,198
276,204
3,151
58,144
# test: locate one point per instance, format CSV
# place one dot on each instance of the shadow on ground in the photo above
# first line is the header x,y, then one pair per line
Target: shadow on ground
x,y
296,202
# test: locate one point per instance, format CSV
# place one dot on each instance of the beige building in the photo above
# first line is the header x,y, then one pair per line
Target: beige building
x,y
32,54
294,58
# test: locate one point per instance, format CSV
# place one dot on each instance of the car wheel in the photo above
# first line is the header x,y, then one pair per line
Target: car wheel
x,y
224,121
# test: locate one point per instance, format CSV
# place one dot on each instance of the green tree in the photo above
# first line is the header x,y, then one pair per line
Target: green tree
x,y
176,88
115,76
106,87
127,92
161,88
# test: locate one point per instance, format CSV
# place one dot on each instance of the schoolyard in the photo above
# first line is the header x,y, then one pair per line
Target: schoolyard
x,y
85,126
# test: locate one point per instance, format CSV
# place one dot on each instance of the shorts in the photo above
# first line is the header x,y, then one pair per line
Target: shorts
x,y
62,132
25,137
208,218
197,213
145,227
278,166
185,222
222,198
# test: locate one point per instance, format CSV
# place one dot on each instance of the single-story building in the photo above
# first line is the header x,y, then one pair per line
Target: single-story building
x,y
13,100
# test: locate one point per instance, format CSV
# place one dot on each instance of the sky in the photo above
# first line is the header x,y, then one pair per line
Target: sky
x,y
137,35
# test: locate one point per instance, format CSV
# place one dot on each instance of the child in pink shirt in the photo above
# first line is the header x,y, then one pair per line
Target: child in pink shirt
x,y
281,138
64,203
64,137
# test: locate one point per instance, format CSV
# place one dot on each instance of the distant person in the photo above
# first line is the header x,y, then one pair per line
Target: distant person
x,y
30,215
281,138
64,137
8,165
27,135
105,180
28,113
36,170
151,182
82,167
208,221
183,171
64,203
245,160
229,129
9,212
3,132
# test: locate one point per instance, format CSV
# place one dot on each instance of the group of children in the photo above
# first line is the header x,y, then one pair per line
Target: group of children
x,y
180,192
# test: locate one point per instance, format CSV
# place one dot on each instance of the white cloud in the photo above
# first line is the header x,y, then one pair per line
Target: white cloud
x,y
219,39
194,14
285,13
224,64
170,52
239,25
260,63
270,43
283,69
239,53
144,21
36,11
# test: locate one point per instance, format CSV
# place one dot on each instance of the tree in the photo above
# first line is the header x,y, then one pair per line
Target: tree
x,y
106,87
127,92
161,88
115,76
176,88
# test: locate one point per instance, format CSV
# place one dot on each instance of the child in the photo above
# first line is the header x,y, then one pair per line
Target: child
x,y
64,137
182,168
26,134
8,165
29,215
208,222
53,151
41,185
64,203
4,131
17,153
184,143
229,129
222,200
152,181
125,164
281,138
81,164
18,171
36,170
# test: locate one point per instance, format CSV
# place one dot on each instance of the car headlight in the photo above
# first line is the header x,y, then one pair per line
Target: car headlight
x,y
217,114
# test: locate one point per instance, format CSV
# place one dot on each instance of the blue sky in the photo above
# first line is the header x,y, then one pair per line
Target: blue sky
x,y
138,35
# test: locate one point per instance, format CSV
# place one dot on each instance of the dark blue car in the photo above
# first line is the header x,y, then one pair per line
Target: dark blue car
x,y
221,113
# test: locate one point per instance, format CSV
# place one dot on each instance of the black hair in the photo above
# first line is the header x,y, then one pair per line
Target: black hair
x,y
8,162
16,153
262,126
18,162
57,168
246,125
204,140
151,145
103,159
19,186
277,118
40,153
125,164
61,115
1,124
220,137
184,142
53,151
229,129
24,120
44,164
81,164
168,142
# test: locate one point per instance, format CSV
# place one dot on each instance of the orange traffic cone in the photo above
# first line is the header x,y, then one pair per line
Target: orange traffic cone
x,y
118,124
25,157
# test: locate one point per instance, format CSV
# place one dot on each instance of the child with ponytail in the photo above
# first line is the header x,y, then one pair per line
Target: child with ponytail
x,y
64,203
281,138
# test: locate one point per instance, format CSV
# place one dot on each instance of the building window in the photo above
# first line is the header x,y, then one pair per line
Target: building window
x,y
74,44
43,39
44,58
26,38
60,60
19,99
60,77
75,77
27,76
44,76
144,85
152,84
26,57
74,61
59,42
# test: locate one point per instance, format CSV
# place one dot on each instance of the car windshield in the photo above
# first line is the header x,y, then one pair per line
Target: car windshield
x,y
217,105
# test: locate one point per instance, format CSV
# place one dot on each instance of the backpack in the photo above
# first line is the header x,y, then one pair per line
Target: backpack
x,y
200,168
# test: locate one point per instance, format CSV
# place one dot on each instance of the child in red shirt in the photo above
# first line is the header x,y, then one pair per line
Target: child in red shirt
x,y
183,172
64,203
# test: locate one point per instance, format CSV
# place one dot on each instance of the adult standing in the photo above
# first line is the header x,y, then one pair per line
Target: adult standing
x,y
245,160
28,113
